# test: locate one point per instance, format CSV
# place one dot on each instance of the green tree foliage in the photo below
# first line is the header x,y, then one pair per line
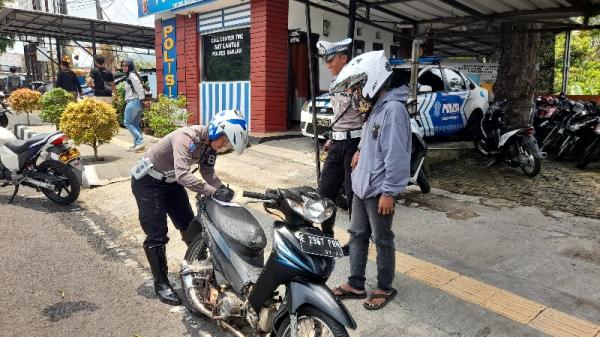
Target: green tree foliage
x,y
90,122
6,41
584,71
119,102
54,102
166,114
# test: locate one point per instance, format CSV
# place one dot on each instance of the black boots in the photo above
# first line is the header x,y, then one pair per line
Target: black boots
x,y
158,264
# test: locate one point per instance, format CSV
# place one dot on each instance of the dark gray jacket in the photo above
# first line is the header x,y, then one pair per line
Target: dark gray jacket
x,y
385,146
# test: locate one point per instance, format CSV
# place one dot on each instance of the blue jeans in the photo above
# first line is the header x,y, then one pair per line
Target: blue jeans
x,y
132,120
367,223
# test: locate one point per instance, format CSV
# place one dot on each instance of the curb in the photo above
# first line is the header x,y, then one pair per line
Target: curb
x,y
87,178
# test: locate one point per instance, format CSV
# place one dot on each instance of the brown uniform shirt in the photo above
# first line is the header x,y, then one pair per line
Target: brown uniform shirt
x,y
351,119
181,149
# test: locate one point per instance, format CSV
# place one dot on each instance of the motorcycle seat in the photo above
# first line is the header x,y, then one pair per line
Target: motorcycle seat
x,y
20,146
237,225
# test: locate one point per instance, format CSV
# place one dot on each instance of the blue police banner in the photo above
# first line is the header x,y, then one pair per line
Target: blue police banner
x,y
149,7
169,40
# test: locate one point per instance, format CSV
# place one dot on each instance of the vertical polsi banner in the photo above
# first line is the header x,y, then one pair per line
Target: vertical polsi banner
x,y
169,57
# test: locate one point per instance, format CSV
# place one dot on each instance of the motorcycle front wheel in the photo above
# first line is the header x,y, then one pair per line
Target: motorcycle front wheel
x,y
67,190
313,322
591,153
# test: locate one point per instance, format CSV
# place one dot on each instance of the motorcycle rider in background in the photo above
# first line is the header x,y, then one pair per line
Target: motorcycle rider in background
x,y
345,135
161,176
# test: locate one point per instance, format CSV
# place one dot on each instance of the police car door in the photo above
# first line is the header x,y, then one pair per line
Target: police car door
x,y
452,117
430,103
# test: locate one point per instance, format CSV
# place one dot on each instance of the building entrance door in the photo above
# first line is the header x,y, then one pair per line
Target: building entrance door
x,y
298,76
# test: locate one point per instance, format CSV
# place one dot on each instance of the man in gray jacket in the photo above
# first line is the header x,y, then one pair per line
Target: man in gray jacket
x,y
381,170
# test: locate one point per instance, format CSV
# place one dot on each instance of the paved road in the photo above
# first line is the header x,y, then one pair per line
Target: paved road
x,y
60,278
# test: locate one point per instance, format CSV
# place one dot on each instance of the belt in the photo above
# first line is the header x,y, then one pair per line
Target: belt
x,y
343,135
162,177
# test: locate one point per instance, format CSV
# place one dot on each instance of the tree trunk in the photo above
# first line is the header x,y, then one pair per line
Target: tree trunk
x,y
95,147
517,72
28,122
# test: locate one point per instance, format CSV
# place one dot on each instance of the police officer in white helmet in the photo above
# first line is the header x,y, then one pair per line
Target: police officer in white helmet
x,y
345,135
162,175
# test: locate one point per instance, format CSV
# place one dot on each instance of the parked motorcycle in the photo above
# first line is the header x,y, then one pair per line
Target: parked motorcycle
x,y
44,162
4,111
570,111
578,133
224,276
516,147
592,151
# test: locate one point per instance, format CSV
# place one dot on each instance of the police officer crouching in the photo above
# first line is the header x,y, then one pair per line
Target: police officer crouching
x,y
161,176
345,136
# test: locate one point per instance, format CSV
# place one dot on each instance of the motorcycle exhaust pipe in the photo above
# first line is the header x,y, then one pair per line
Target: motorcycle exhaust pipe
x,y
38,183
190,293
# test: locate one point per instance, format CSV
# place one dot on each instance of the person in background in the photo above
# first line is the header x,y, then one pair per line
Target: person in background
x,y
68,81
134,95
13,81
380,171
102,81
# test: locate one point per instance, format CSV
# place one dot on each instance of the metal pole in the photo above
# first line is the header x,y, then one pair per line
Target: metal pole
x,y
93,28
414,72
98,10
313,93
351,22
566,61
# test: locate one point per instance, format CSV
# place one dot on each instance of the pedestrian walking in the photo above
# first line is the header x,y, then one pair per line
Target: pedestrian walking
x,y
161,176
381,170
134,95
345,135
102,81
68,81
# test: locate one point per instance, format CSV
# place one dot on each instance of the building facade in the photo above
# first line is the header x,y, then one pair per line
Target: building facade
x,y
249,55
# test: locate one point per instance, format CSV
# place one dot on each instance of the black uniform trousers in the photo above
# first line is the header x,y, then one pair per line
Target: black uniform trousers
x,y
156,200
337,170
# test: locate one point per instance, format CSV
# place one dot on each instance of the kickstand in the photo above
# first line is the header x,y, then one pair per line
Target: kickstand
x,y
14,194
491,162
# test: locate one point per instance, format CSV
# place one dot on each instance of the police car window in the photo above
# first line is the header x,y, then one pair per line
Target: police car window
x,y
455,81
433,78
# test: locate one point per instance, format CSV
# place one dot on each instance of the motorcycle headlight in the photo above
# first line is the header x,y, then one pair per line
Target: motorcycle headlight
x,y
315,211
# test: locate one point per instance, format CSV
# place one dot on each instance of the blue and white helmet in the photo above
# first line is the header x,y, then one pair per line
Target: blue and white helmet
x,y
232,124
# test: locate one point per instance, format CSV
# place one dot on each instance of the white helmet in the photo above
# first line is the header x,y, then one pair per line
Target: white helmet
x,y
369,70
232,124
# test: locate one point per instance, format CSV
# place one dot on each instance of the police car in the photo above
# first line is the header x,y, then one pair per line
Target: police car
x,y
448,101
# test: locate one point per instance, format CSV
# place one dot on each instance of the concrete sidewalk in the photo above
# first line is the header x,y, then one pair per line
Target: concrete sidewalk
x,y
466,266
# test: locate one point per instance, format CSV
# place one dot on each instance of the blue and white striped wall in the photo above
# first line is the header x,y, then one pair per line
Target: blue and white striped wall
x,y
219,96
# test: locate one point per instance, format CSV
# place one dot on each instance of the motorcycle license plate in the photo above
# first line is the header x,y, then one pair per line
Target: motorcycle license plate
x,y
69,155
320,245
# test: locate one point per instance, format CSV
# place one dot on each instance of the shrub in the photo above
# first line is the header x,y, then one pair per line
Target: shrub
x,y
90,122
53,103
25,100
119,102
166,114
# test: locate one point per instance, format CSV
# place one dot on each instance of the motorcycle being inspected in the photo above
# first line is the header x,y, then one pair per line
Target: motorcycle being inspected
x,y
517,147
44,162
225,278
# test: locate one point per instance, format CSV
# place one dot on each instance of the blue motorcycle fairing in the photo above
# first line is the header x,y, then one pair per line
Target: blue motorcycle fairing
x,y
302,293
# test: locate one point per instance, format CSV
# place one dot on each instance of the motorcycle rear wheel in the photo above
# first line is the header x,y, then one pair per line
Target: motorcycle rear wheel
x,y
70,184
313,322
535,164
197,250
423,182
